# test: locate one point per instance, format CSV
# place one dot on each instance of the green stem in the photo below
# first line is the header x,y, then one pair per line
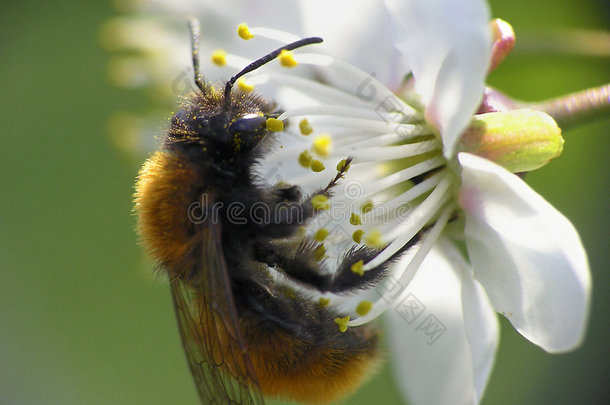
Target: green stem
x,y
577,108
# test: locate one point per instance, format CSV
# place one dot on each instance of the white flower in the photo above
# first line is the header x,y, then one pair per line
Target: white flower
x,y
525,260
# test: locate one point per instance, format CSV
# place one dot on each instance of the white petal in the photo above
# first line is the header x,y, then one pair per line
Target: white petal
x,y
357,31
447,46
443,333
527,255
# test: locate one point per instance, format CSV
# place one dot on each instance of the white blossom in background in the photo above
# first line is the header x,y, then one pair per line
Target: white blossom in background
x,y
409,172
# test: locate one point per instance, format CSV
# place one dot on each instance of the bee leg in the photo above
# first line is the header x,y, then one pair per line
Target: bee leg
x,y
287,193
304,265
300,265
287,212
341,170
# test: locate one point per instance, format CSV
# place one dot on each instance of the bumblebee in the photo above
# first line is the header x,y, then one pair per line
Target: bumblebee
x,y
247,335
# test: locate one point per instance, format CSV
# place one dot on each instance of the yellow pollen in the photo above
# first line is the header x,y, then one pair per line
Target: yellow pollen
x,y
357,235
320,235
355,219
219,57
358,268
287,59
374,239
364,307
305,159
275,125
322,145
320,202
323,302
367,207
304,126
317,166
342,322
244,86
244,32
341,166
320,252
289,293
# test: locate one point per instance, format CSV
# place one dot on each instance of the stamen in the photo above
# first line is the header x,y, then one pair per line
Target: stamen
x,y
320,253
424,212
358,268
342,322
409,195
305,159
317,166
374,239
376,126
323,302
407,132
322,145
404,175
366,207
382,304
286,59
244,86
275,125
321,235
355,112
273,34
396,152
355,219
364,307
341,166
304,126
357,235
219,57
323,92
320,202
353,79
244,32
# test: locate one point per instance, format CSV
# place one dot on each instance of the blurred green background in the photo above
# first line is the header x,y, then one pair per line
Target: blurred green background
x,y
82,319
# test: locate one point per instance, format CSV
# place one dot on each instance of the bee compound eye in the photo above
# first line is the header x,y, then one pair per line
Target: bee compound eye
x,y
248,123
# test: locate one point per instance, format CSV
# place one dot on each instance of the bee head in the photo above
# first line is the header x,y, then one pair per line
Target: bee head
x,y
206,126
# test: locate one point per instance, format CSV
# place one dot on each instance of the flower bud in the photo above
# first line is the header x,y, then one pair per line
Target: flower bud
x,y
518,140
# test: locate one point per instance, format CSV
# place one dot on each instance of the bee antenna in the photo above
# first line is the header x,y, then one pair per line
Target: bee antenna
x,y
265,59
194,28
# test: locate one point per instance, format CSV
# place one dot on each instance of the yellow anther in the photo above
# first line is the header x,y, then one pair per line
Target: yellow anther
x,y
341,166
219,57
244,86
275,125
244,32
322,145
304,126
320,235
374,239
358,268
355,219
364,307
323,302
320,202
305,159
287,59
357,235
367,206
342,322
317,166
320,252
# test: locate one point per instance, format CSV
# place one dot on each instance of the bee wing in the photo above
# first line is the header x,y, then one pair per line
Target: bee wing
x,y
208,323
